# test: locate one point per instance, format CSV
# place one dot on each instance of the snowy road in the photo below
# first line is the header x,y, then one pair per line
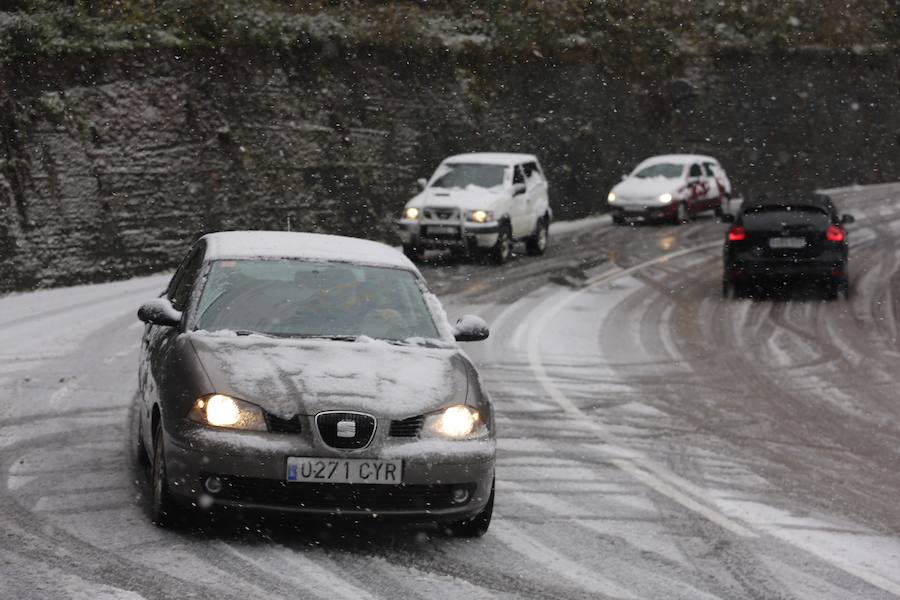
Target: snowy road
x,y
656,441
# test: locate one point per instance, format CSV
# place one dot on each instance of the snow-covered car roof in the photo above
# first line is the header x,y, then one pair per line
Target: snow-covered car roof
x,y
491,158
677,159
309,246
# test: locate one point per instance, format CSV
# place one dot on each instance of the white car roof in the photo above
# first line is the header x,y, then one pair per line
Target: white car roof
x,y
491,158
308,246
677,159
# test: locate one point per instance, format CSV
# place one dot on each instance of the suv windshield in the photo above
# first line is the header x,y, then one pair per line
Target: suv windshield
x,y
300,298
460,175
669,171
785,217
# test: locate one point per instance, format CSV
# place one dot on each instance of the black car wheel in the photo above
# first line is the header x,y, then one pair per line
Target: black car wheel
x,y
618,220
537,243
162,508
732,290
478,525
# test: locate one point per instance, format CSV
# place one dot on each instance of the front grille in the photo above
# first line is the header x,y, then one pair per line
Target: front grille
x,y
407,427
279,425
442,214
338,496
336,427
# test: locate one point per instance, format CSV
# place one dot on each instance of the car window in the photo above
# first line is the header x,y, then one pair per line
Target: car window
x,y
710,169
667,170
533,176
302,298
182,291
695,171
518,176
462,175
777,217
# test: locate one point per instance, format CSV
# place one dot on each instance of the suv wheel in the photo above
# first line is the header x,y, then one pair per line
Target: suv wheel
x,y
162,507
413,253
537,243
502,250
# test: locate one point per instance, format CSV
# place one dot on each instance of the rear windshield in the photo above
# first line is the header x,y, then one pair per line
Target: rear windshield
x,y
785,217
669,171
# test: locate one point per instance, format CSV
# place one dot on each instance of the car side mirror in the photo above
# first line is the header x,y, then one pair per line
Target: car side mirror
x,y
625,176
847,219
726,217
159,312
518,189
422,182
471,329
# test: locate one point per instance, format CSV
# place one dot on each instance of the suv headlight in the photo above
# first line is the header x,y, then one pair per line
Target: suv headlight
x,y
611,198
219,410
411,213
480,216
457,422
665,198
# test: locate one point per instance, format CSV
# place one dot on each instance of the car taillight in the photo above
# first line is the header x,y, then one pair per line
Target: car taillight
x,y
835,234
737,233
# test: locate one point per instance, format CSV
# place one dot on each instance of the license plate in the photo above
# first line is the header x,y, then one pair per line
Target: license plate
x,y
787,242
634,209
344,470
442,230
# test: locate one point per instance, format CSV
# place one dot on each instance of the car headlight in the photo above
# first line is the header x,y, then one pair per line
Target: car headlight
x,y
218,410
611,198
455,422
665,198
480,216
411,213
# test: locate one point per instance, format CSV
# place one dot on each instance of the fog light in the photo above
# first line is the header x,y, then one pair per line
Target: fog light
x,y
459,495
213,485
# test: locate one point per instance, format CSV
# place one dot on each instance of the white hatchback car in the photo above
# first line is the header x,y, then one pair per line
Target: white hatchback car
x,y
671,186
479,203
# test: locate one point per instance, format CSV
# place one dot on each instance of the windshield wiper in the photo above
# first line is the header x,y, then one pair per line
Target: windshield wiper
x,y
339,338
243,332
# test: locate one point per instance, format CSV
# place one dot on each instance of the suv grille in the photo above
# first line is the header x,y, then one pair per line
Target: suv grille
x,y
442,214
340,496
347,430
279,425
407,427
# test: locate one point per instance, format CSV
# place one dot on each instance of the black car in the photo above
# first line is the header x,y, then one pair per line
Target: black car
x,y
774,241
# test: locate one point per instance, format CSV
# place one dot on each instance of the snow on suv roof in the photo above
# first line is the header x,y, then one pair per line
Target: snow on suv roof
x,y
678,159
491,158
311,246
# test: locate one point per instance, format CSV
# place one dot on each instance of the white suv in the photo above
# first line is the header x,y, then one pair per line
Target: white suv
x,y
479,203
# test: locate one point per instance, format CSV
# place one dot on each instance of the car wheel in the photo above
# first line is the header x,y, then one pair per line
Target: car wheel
x,y
732,290
162,508
141,457
413,253
478,525
839,290
681,214
618,220
502,250
537,243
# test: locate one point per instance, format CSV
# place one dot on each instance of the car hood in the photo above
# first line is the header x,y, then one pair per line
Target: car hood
x,y
290,376
635,188
472,197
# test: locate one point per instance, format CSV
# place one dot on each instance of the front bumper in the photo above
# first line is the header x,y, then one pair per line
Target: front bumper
x,y
433,234
252,467
644,211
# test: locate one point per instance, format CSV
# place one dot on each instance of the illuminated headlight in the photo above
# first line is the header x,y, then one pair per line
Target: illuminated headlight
x,y
481,216
411,213
665,198
455,422
219,410
611,198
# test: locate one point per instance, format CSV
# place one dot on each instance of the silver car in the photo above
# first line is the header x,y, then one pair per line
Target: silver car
x,y
311,374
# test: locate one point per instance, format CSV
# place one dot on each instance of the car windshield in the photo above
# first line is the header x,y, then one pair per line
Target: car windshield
x,y
785,217
301,298
460,175
667,170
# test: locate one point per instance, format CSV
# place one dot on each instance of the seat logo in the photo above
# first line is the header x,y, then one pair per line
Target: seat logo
x,y
346,429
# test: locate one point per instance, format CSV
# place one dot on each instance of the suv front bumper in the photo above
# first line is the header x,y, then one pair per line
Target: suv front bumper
x,y
432,234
